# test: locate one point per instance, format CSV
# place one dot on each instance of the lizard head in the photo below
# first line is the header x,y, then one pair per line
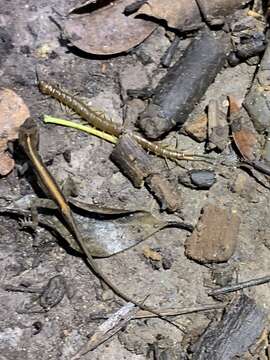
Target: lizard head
x,y
29,131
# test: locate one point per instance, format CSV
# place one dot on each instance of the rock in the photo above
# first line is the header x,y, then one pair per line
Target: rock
x,y
197,128
134,77
244,186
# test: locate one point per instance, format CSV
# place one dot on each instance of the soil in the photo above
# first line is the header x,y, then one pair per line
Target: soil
x,y
26,29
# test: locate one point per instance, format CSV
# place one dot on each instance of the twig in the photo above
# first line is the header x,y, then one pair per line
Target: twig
x,y
239,286
108,328
141,314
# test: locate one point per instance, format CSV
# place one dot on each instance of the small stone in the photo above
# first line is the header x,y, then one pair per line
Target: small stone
x,y
134,108
202,179
244,186
197,128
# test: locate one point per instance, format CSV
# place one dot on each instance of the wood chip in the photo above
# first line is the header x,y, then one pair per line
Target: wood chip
x,y
215,236
167,196
107,329
218,129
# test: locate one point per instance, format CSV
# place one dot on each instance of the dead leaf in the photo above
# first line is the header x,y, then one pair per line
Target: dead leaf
x,y
13,113
106,231
179,14
107,30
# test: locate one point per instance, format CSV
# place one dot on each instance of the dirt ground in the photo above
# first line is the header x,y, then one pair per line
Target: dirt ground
x,y
25,27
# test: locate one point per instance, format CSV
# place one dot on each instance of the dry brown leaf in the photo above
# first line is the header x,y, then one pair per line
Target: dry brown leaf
x,y
107,30
13,112
179,14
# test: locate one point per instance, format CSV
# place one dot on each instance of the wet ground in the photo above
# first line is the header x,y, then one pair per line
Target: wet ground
x,y
25,29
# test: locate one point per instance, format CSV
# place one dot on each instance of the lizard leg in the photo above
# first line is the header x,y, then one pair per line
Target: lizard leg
x,y
32,221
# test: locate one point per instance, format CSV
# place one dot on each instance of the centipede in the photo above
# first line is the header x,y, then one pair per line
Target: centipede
x,y
100,121
95,118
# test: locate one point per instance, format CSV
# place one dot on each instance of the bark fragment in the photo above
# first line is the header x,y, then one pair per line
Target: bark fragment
x,y
218,129
137,165
132,159
184,84
240,327
215,237
168,197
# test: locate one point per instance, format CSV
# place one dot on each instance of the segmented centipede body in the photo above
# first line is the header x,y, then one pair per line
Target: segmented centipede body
x,y
93,117
159,150
100,121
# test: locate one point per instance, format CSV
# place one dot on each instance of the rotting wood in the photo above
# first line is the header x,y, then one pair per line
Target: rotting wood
x,y
241,325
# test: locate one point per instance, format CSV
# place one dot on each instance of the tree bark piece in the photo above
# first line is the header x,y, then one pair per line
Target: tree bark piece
x,y
168,197
132,159
215,237
184,84
218,129
137,165
240,327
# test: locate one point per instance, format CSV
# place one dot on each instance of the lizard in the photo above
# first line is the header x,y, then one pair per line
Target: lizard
x,y
29,140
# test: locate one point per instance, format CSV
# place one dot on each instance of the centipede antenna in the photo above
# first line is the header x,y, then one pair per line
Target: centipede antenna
x,y
37,75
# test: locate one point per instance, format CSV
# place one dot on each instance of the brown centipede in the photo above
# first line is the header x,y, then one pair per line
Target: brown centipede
x,y
100,121
93,117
